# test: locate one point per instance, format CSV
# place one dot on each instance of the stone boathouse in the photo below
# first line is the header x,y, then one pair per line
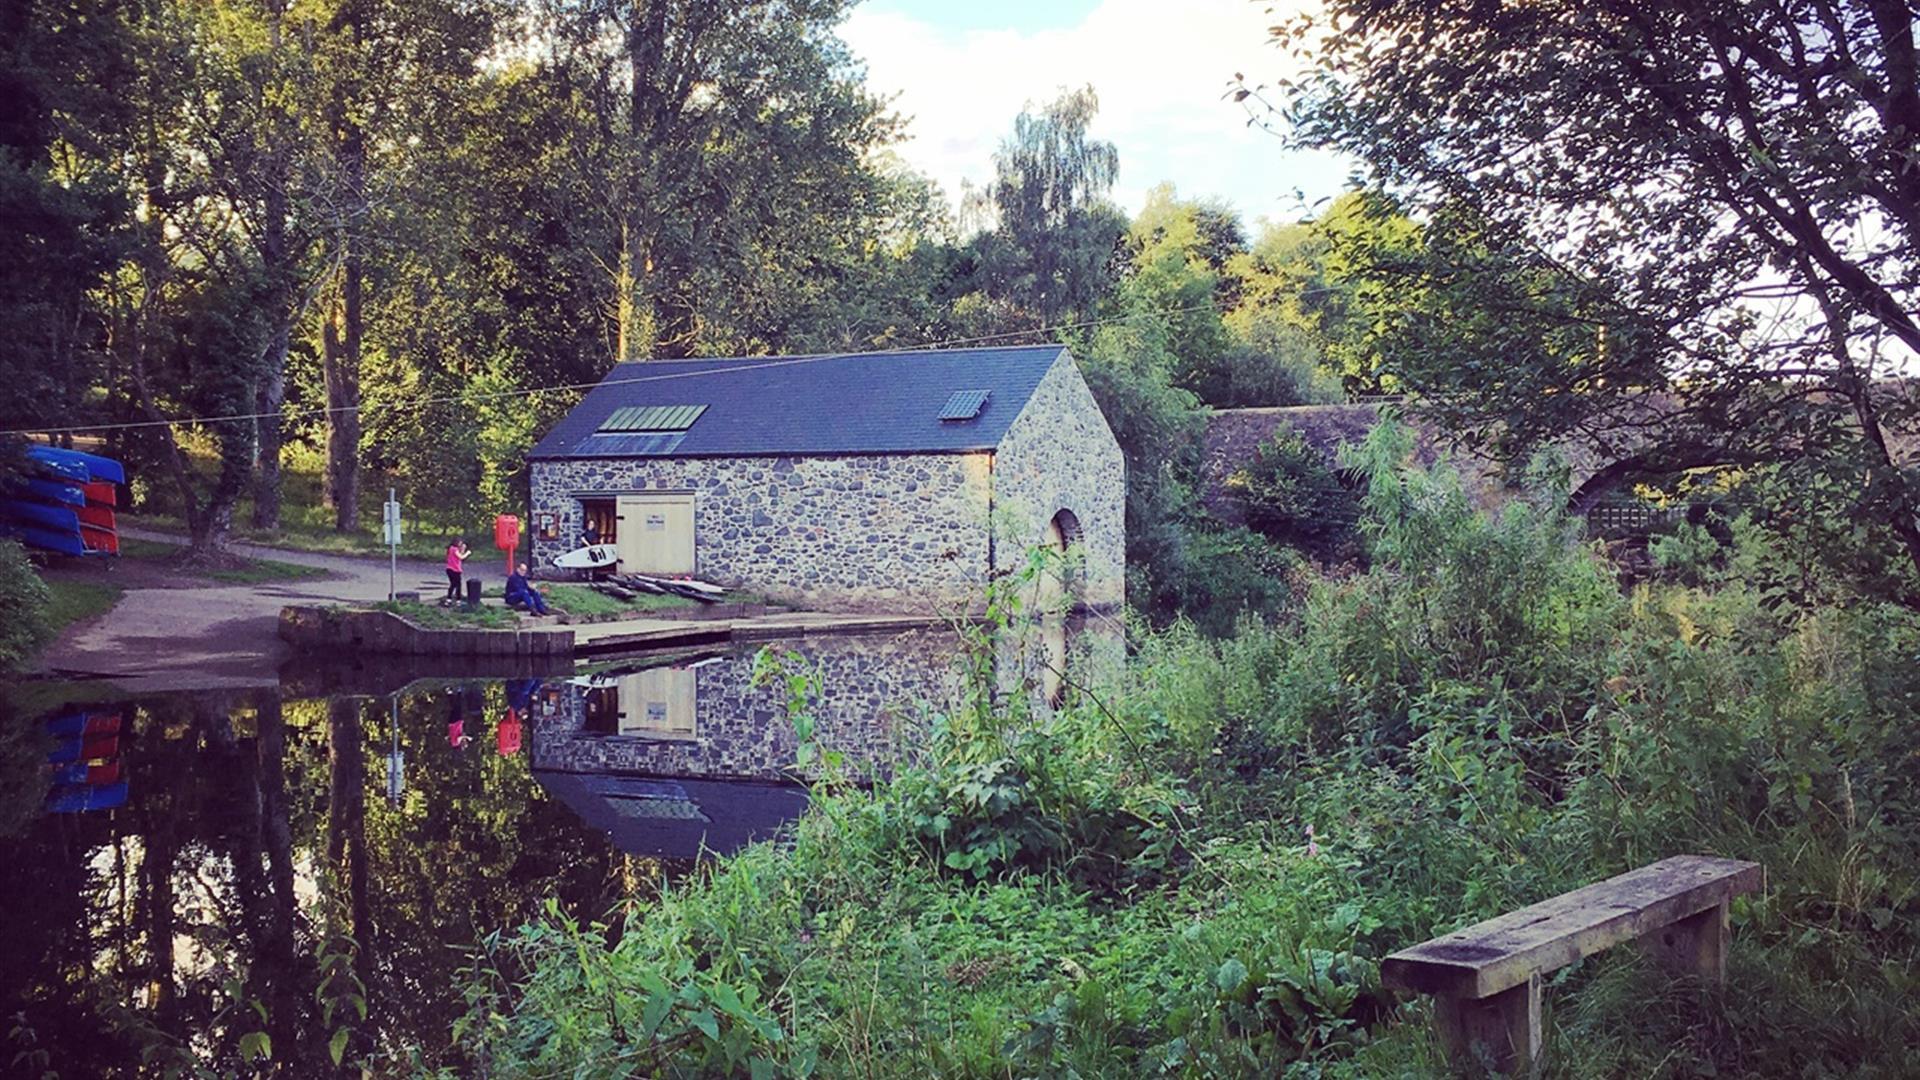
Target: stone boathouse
x,y
898,481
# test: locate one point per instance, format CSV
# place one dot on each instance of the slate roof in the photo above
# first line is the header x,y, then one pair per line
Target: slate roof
x,y
867,403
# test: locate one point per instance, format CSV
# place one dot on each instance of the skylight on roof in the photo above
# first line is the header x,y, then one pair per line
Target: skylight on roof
x,y
964,405
643,419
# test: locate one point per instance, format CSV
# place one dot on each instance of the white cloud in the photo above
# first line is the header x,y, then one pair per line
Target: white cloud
x,y
1161,71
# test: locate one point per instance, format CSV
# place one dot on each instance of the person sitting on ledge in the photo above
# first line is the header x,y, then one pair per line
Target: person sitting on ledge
x,y
522,594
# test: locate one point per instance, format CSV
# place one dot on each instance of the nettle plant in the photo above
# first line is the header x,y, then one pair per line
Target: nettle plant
x,y
1003,785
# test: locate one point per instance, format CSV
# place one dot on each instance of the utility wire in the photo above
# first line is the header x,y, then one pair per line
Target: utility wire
x,y
448,399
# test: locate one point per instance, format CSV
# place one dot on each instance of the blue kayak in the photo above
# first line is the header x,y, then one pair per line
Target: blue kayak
x,y
45,539
78,464
57,518
50,491
75,722
79,798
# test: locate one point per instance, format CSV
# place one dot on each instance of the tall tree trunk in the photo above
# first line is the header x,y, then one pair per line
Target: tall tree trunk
x,y
340,363
347,829
633,309
276,835
268,402
633,274
276,257
340,371
156,895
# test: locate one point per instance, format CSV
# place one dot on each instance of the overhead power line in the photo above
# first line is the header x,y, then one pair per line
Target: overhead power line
x,y
309,412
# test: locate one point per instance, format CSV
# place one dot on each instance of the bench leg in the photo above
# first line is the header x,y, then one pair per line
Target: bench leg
x,y
1696,945
1502,1030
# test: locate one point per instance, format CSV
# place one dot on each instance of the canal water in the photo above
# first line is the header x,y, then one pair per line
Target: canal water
x,y
188,874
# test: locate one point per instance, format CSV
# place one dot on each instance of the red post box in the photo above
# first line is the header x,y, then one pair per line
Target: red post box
x,y
506,537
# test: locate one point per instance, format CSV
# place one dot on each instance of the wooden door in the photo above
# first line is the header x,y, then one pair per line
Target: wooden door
x,y
655,533
658,703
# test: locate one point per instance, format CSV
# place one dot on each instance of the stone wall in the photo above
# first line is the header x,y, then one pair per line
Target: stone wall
x,y
873,696
315,631
1060,455
874,701
900,533
1234,436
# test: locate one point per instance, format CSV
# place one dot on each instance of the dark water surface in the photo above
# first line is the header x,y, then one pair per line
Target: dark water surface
x,y
194,876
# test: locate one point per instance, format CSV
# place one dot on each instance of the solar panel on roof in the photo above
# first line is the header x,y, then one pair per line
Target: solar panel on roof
x,y
964,404
622,444
651,418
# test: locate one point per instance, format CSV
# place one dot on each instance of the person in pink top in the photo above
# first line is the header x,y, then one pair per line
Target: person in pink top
x,y
456,555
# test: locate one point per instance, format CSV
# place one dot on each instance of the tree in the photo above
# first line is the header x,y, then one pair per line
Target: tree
x,y
188,314
58,225
1301,293
710,141
1682,232
389,75
1050,249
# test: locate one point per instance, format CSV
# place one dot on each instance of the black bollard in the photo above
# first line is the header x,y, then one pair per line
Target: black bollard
x,y
473,592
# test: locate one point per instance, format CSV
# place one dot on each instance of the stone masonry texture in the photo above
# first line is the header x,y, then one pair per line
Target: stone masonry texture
x,y
1060,455
903,533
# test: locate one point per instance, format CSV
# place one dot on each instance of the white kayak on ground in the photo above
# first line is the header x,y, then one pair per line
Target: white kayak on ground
x,y
596,557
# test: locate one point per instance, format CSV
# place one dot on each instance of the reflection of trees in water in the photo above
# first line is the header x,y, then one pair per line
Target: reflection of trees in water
x,y
250,851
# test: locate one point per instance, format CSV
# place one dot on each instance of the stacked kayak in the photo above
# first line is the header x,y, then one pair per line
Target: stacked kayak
x,y
66,504
84,763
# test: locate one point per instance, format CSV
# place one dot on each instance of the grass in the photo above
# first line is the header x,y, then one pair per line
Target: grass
x,y
147,549
306,524
321,540
250,572
75,601
580,600
435,617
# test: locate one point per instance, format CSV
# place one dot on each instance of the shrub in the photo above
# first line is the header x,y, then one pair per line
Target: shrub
x,y
1199,876
1290,493
23,603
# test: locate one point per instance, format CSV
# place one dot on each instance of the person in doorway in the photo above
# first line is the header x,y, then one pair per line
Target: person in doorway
x,y
590,535
457,553
522,594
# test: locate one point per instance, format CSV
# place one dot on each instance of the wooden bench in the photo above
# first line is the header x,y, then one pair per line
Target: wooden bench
x,y
1486,979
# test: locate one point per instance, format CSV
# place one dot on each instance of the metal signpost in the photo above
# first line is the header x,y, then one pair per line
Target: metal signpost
x,y
396,760
390,526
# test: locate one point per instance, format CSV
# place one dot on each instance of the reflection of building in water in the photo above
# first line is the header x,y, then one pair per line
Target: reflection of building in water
x,y
705,718
691,756
677,818
658,703
872,695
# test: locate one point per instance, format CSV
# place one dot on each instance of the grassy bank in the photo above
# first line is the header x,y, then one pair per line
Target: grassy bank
x,y
306,523
317,538
580,600
77,601
1198,873
457,617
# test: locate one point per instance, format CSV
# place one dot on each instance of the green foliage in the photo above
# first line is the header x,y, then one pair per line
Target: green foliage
x,y
27,613
1053,232
1224,576
1198,874
1608,293
1292,495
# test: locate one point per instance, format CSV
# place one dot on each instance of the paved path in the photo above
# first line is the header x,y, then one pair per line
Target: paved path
x,y
218,635
213,636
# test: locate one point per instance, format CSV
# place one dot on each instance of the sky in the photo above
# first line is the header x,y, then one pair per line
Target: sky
x,y
962,69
